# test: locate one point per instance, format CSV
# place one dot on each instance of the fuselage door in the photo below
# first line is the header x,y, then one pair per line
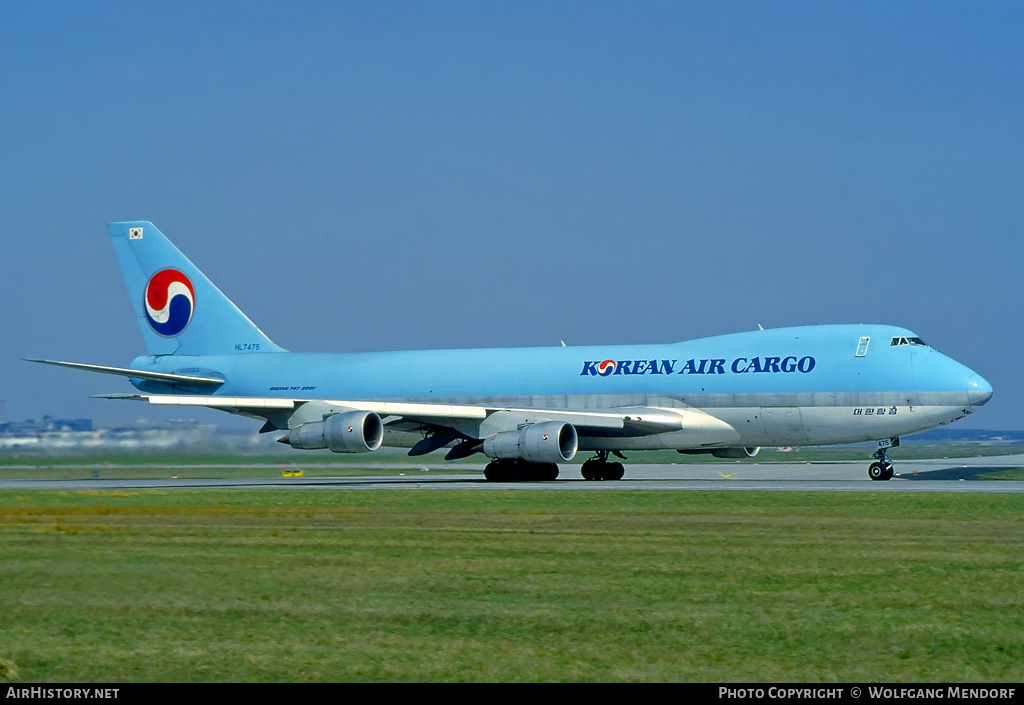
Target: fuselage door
x,y
783,425
862,345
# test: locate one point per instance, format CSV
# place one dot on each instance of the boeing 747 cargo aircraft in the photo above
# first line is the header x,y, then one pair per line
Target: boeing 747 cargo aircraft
x,y
528,409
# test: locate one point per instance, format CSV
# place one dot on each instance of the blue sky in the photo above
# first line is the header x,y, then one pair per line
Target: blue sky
x,y
390,175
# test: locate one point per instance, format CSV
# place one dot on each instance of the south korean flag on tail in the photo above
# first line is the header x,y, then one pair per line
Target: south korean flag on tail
x,y
134,233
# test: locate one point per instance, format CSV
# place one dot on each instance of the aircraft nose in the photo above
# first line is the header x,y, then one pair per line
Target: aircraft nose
x,y
979,391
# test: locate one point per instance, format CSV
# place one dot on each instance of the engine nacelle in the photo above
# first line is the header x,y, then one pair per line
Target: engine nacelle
x,y
736,452
351,432
547,442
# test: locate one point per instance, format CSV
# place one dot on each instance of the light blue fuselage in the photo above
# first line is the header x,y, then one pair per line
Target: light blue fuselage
x,y
803,385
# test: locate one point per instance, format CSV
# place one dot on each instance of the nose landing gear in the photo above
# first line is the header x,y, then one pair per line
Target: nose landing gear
x,y
881,469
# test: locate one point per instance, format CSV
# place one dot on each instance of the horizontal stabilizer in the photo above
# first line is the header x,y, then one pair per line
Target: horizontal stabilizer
x,y
166,377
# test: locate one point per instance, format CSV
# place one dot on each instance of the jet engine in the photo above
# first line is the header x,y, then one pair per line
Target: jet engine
x,y
546,442
350,432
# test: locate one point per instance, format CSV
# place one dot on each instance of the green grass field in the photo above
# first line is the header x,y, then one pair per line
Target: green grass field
x,y
507,585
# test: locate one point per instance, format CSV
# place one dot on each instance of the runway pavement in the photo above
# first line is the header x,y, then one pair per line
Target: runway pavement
x,y
940,475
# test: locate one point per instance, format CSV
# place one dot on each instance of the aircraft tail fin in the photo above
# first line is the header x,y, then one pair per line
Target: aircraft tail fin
x,y
179,309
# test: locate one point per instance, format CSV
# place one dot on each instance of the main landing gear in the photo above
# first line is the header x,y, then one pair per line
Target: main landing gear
x,y
518,470
600,469
881,469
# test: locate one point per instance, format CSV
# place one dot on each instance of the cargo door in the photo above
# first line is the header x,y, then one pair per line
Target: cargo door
x,y
783,425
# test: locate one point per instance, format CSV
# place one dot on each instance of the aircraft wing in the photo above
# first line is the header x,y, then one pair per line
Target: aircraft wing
x,y
696,428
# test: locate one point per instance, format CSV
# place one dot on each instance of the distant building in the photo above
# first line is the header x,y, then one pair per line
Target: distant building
x,y
49,424
52,435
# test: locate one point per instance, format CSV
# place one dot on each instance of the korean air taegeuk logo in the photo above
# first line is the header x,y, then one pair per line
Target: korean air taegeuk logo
x,y
170,301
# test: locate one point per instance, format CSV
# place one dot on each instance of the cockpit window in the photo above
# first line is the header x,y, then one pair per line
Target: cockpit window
x,y
906,341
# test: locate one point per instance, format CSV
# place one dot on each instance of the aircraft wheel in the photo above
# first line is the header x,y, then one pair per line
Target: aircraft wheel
x,y
503,471
877,471
602,470
510,470
889,472
547,472
615,471
494,472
